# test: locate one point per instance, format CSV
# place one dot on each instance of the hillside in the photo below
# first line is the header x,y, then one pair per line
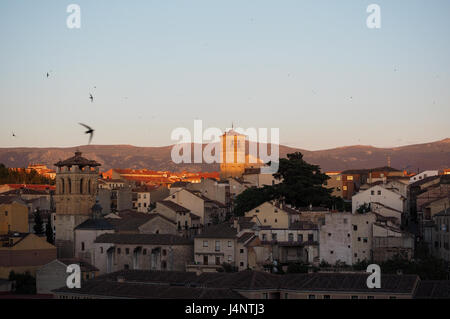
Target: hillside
x,y
434,155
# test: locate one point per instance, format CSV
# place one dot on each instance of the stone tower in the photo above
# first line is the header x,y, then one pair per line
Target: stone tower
x,y
76,190
232,154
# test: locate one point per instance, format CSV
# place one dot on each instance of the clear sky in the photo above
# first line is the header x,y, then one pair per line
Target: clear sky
x,y
309,67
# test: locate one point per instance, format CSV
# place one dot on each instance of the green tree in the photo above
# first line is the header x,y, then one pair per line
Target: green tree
x,y
301,185
364,208
49,230
251,198
38,223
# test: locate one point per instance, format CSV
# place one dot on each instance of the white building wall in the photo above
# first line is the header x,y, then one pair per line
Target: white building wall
x,y
378,194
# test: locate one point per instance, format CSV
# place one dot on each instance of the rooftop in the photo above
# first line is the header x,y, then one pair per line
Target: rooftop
x,y
77,160
143,239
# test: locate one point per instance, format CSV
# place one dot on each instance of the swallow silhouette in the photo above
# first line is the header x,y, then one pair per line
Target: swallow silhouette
x,y
89,131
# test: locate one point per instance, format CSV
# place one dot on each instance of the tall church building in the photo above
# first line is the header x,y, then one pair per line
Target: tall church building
x,y
232,154
76,190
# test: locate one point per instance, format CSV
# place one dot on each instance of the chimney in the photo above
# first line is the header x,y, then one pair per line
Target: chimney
x,y
236,225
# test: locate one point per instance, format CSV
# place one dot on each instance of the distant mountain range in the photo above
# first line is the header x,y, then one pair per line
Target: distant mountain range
x,y
434,155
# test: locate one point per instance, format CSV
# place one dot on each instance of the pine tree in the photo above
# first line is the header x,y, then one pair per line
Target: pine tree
x,y
49,230
38,223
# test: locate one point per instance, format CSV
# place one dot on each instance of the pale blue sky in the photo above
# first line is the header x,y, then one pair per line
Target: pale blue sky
x,y
292,64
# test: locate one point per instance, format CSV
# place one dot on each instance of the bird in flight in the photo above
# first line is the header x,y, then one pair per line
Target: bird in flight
x,y
48,74
91,97
13,135
89,131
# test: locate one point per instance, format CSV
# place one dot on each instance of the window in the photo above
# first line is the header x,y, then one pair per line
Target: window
x,y
370,297
217,260
379,192
101,250
242,264
299,238
126,267
276,220
286,296
344,188
257,210
274,237
118,251
331,252
372,192
354,297
329,234
164,252
265,295
392,297
312,297
229,243
359,238
229,258
355,228
310,237
144,252
345,220
205,260
264,237
205,243
6,213
349,178
241,251
217,245
127,251
365,240
326,297
291,237
82,246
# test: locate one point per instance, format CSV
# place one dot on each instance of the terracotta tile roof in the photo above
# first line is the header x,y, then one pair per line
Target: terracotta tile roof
x,y
84,266
95,224
245,237
225,230
5,200
433,289
77,160
25,191
98,287
143,239
174,206
349,282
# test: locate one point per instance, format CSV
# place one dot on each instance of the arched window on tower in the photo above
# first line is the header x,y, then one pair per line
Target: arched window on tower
x,y
89,187
69,186
63,186
81,186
